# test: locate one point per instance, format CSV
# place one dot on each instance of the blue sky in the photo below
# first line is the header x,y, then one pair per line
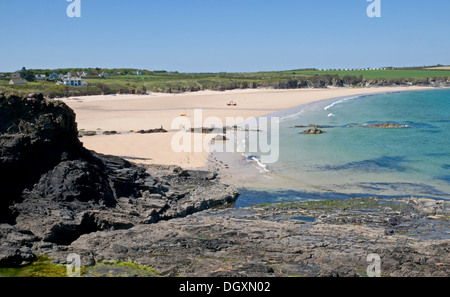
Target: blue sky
x,y
226,35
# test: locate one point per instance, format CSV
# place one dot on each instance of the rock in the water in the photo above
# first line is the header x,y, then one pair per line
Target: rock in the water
x,y
313,131
158,130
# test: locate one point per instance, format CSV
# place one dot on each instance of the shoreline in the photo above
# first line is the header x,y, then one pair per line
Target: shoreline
x,y
126,113
240,170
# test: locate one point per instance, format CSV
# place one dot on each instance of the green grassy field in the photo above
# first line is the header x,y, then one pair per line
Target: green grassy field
x,y
194,81
161,81
382,74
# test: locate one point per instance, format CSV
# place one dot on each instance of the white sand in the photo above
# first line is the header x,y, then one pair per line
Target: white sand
x,y
123,113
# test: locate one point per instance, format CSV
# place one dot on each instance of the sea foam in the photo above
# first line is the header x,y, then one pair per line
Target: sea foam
x,y
261,166
340,101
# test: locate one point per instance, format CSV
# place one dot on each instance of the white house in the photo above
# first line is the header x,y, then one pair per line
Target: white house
x,y
39,77
103,74
74,82
137,73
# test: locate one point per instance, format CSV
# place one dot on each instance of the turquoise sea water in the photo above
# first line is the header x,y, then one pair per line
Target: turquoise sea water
x,y
357,161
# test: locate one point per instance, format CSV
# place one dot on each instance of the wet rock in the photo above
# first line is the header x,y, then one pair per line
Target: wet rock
x,y
86,133
313,131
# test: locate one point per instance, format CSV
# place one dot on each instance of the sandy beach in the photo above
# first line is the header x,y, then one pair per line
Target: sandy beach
x,y
127,114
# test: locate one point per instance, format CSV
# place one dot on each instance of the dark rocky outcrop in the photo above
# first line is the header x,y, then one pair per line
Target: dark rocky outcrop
x,y
86,133
317,129
54,190
158,130
313,131
207,130
315,238
35,136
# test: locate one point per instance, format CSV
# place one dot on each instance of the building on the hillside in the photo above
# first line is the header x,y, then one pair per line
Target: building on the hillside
x,y
15,75
54,76
18,81
2,75
40,77
103,74
137,73
74,82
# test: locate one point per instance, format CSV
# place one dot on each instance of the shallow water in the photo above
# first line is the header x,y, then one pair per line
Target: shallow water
x,y
351,159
